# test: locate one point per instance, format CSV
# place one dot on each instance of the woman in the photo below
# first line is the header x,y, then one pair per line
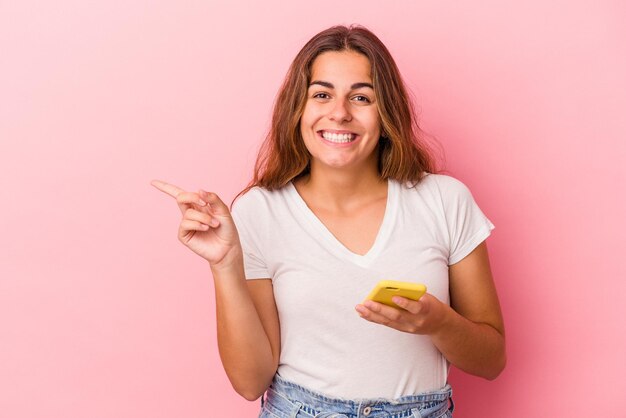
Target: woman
x,y
344,196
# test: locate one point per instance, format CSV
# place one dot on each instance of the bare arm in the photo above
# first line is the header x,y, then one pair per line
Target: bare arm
x,y
247,321
470,332
248,332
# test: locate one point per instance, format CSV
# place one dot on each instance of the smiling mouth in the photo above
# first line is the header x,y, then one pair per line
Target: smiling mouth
x,y
341,138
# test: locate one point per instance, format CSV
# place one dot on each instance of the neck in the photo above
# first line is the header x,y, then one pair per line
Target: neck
x,y
341,188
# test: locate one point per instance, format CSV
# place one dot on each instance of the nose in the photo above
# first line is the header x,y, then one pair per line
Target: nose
x,y
340,111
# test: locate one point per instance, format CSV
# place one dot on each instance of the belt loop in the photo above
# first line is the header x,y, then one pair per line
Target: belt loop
x,y
294,412
262,400
416,413
451,404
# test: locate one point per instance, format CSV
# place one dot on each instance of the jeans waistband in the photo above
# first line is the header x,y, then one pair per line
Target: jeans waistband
x,y
286,398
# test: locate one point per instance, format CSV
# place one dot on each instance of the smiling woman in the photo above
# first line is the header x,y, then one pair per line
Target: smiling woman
x,y
340,125
344,195
402,154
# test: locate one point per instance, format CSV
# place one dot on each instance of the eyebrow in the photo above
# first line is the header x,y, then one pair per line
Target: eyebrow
x,y
330,85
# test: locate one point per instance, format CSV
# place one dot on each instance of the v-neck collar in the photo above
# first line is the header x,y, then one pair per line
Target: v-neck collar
x,y
333,243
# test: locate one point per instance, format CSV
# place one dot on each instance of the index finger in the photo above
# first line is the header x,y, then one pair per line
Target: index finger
x,y
167,188
413,306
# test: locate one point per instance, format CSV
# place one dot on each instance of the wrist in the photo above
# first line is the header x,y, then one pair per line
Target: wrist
x,y
447,317
232,262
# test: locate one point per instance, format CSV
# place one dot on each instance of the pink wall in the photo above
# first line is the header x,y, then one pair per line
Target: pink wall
x,y
104,314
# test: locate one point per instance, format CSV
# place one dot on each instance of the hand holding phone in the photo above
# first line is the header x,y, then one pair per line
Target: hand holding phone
x,y
386,289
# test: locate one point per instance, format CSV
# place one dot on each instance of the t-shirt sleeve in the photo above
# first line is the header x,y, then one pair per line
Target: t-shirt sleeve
x,y
254,263
467,225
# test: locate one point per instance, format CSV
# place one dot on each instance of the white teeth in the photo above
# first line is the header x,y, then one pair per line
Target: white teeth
x,y
338,138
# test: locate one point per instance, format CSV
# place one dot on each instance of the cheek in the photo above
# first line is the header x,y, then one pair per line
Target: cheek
x,y
371,120
306,132
309,115
308,123
376,122
305,121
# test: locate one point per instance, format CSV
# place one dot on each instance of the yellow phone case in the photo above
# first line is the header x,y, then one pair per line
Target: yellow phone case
x,y
386,289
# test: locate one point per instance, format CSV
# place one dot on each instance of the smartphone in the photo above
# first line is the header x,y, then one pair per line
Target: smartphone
x,y
386,289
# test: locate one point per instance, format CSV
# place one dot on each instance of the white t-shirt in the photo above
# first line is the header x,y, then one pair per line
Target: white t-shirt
x,y
325,345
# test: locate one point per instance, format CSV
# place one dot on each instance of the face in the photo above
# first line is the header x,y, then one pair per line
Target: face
x,y
340,124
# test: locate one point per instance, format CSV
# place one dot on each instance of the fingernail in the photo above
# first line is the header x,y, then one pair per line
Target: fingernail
x,y
214,222
201,202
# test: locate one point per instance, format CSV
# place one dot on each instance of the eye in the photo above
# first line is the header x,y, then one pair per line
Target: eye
x,y
361,98
321,96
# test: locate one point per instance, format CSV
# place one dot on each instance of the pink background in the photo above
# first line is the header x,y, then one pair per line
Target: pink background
x,y
104,314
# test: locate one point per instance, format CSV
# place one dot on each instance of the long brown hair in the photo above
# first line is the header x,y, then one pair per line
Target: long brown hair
x,y
402,153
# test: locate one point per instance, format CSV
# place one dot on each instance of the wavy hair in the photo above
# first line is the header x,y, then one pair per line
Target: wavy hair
x,y
403,154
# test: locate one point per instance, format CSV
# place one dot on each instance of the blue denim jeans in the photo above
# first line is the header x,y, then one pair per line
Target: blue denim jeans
x,y
287,400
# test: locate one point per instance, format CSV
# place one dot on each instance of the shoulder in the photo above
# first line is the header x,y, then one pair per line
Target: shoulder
x,y
258,202
442,185
446,184
248,199
260,213
444,196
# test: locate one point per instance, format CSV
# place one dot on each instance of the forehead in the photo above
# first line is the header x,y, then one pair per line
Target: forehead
x,y
336,66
